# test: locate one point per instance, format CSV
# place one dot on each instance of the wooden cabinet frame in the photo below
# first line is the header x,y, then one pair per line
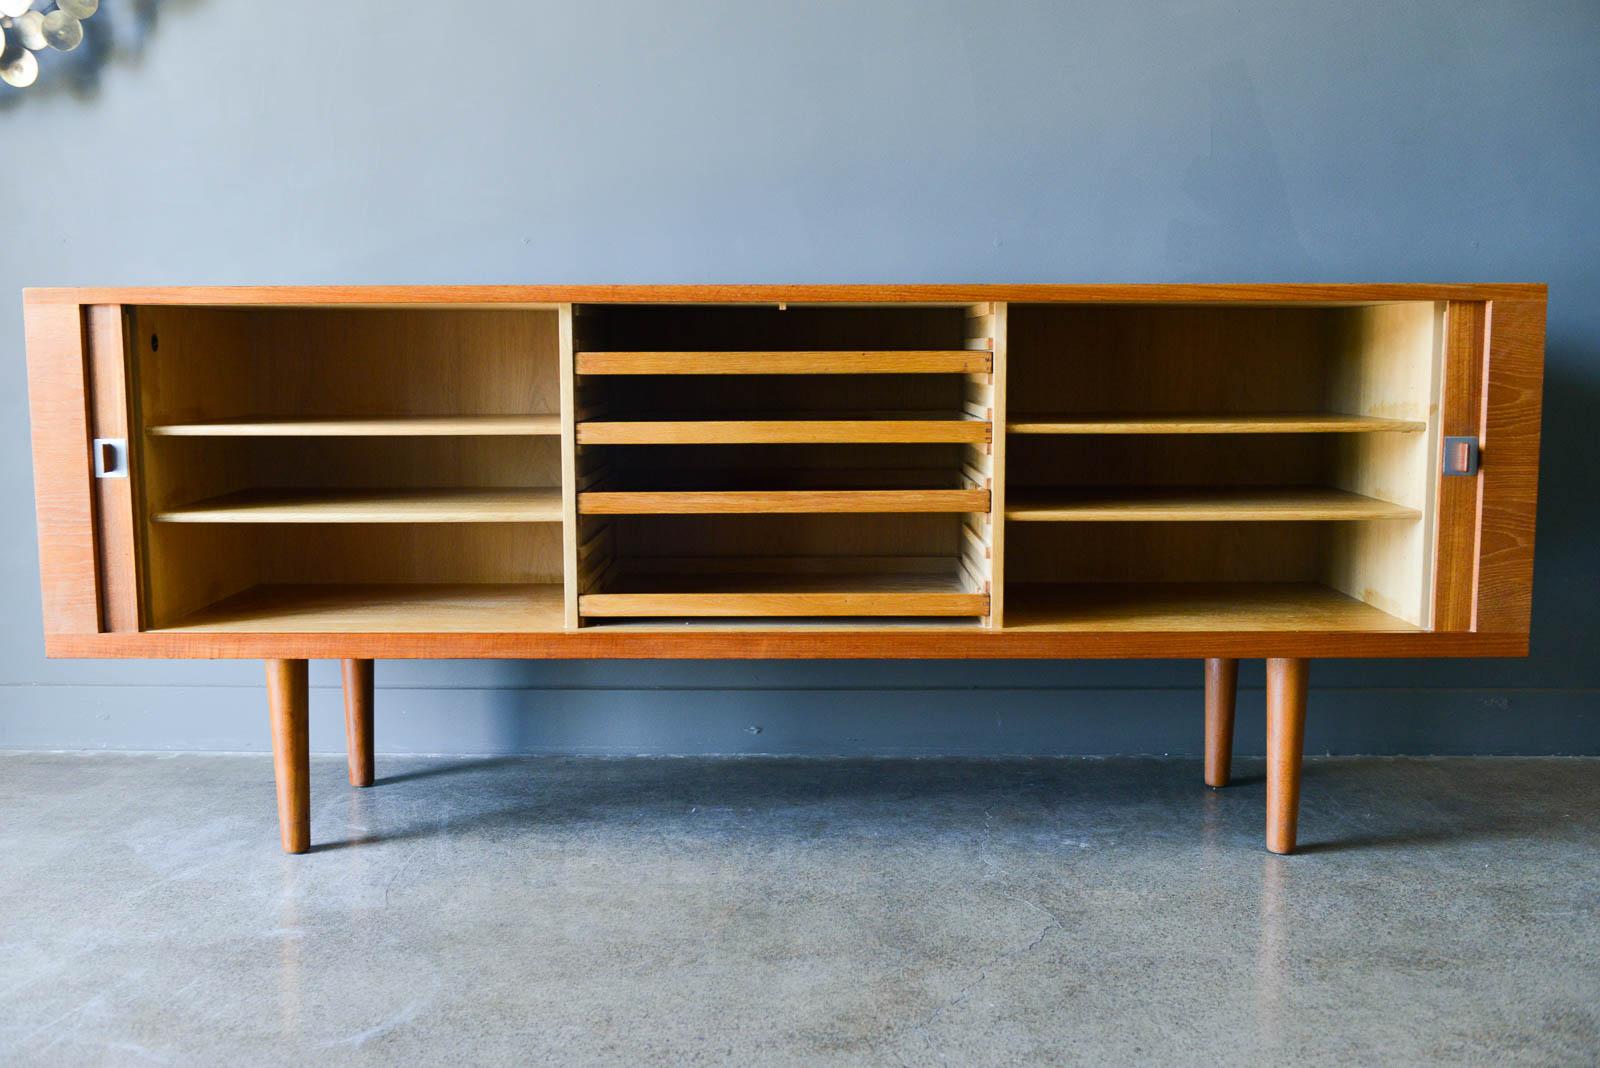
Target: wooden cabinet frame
x,y
84,387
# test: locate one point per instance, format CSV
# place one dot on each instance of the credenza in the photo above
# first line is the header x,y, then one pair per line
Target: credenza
x,y
1213,472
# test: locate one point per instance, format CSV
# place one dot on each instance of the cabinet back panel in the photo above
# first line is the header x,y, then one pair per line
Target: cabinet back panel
x,y
778,466
1166,552
205,364
1169,460
193,566
788,536
424,552
680,328
1148,360
771,396
1165,359
185,470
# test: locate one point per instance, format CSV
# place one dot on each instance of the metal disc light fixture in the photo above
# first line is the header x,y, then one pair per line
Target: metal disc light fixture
x,y
24,31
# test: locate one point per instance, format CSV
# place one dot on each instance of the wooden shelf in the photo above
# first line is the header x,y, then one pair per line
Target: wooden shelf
x,y
783,501
396,427
708,592
532,505
782,431
1198,606
1188,504
1303,423
780,362
405,608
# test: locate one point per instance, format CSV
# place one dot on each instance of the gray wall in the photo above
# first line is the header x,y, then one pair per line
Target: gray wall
x,y
1283,140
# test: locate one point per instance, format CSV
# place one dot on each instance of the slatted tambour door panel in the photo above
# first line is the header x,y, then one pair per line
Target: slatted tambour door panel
x,y
77,392
1512,408
115,499
1466,355
1492,389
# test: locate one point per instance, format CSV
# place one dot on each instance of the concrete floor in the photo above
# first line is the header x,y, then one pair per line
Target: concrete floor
x,y
785,911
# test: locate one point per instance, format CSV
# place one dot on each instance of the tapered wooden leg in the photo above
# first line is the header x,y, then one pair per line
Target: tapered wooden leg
x,y
1222,687
1286,736
358,720
287,700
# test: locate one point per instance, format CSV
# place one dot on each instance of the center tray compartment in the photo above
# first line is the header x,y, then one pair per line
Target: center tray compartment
x,y
861,486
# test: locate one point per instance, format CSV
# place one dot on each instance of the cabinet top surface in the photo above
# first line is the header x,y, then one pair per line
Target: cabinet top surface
x,y
1274,293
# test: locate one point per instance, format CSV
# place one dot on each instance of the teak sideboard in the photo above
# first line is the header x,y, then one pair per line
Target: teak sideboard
x,y
958,471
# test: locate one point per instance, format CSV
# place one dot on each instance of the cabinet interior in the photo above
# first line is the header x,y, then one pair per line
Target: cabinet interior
x,y
1239,459
370,469
1032,466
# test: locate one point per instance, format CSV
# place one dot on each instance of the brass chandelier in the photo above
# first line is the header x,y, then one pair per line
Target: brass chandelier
x,y
24,31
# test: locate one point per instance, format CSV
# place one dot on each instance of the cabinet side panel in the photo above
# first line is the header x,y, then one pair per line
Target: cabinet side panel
x,y
569,470
1455,578
61,475
1512,408
1387,359
113,497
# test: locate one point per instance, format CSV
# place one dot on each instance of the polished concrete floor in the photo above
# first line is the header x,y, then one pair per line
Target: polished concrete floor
x,y
806,912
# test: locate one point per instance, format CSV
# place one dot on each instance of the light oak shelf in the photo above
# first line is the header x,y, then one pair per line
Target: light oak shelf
x,y
1192,606
783,362
711,592
782,501
802,431
447,505
404,608
1303,423
1190,504
367,427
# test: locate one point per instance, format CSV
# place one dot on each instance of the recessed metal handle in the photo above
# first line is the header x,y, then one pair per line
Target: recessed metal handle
x,y
1460,456
110,457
